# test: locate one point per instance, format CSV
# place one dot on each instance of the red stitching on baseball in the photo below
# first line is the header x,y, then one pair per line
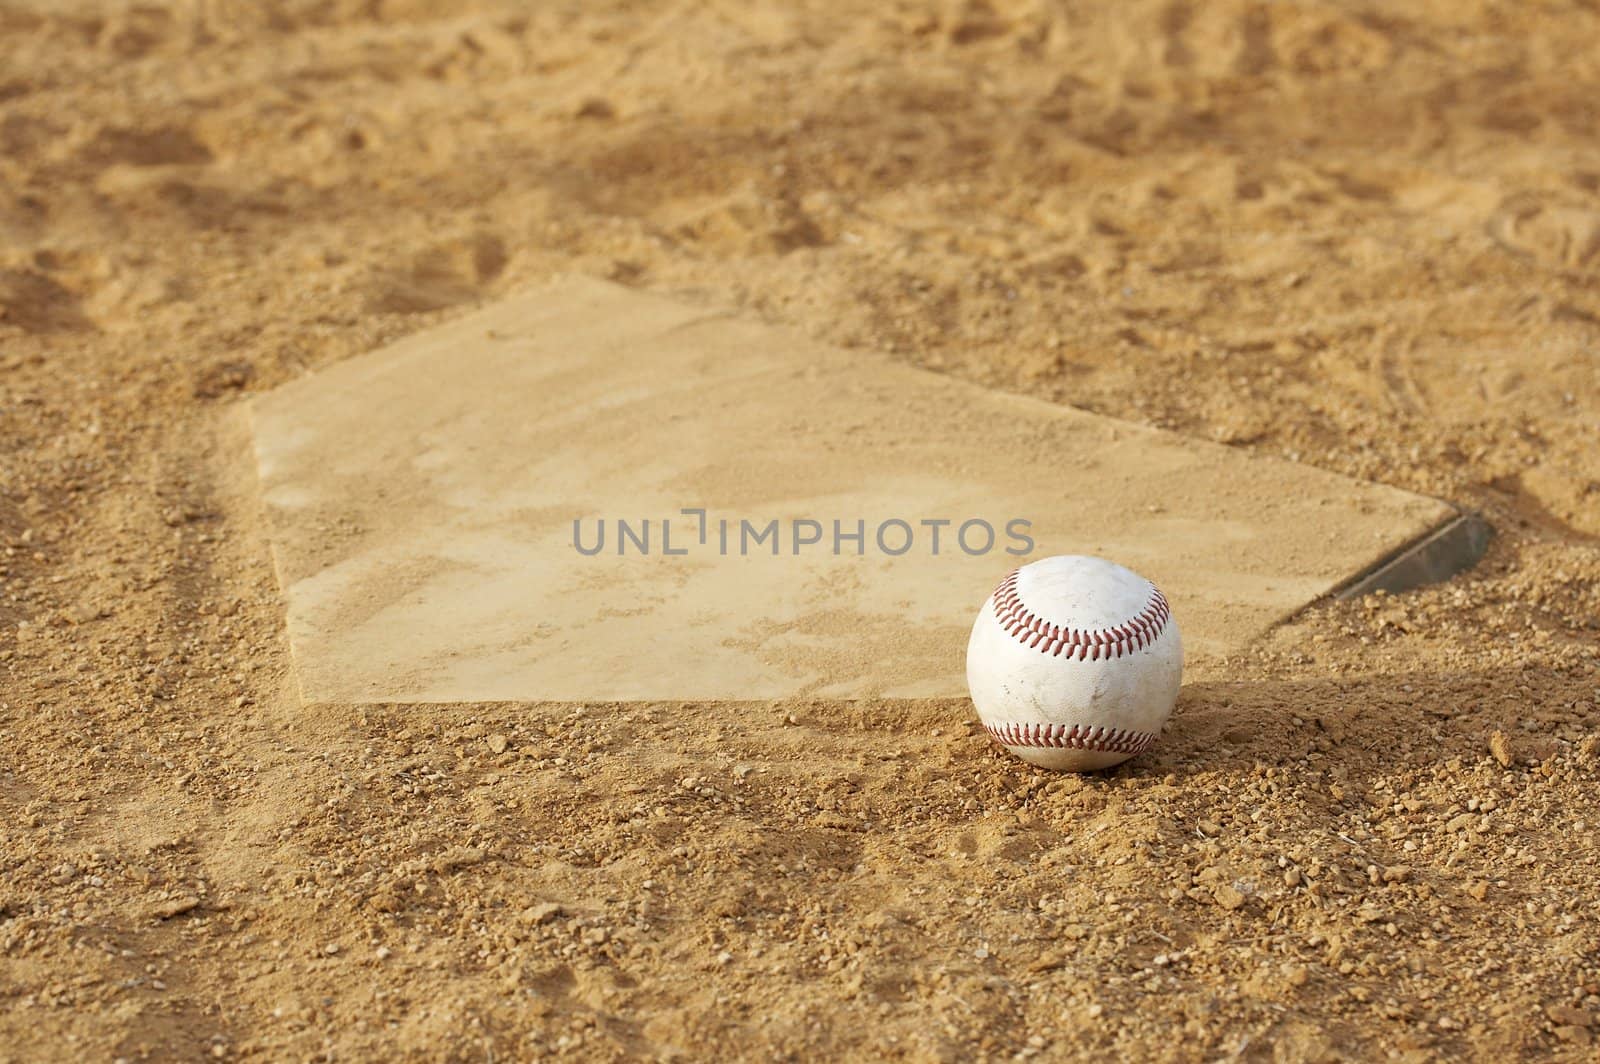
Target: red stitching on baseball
x,y
1071,737
1091,644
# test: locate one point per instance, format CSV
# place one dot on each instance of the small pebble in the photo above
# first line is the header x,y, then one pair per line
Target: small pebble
x,y
1228,896
1500,748
542,914
1569,1016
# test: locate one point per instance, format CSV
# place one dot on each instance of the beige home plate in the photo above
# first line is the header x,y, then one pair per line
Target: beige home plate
x,y
768,507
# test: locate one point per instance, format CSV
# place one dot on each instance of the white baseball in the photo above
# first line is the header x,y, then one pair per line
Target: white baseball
x,y
1074,663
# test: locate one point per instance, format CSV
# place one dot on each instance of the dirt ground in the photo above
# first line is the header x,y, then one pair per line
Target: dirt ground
x,y
1362,235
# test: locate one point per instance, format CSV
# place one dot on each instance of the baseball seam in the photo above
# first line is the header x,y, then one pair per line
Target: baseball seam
x,y
1070,737
1081,644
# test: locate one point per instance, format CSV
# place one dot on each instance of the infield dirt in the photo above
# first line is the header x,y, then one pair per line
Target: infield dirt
x,y
1365,237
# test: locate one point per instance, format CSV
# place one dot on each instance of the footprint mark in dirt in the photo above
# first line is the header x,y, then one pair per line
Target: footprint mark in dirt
x,y
163,146
1555,235
36,303
447,274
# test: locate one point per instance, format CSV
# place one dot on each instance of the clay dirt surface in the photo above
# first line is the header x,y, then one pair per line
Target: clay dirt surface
x,y
1361,236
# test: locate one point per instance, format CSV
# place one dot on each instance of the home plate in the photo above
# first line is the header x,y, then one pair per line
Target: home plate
x,y
768,507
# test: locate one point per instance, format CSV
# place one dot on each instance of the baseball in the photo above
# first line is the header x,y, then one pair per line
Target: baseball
x,y
1074,663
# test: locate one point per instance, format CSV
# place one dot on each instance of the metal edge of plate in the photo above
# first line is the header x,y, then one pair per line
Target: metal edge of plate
x,y
1432,558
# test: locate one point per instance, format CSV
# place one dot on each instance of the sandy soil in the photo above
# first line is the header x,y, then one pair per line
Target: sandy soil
x,y
1363,235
